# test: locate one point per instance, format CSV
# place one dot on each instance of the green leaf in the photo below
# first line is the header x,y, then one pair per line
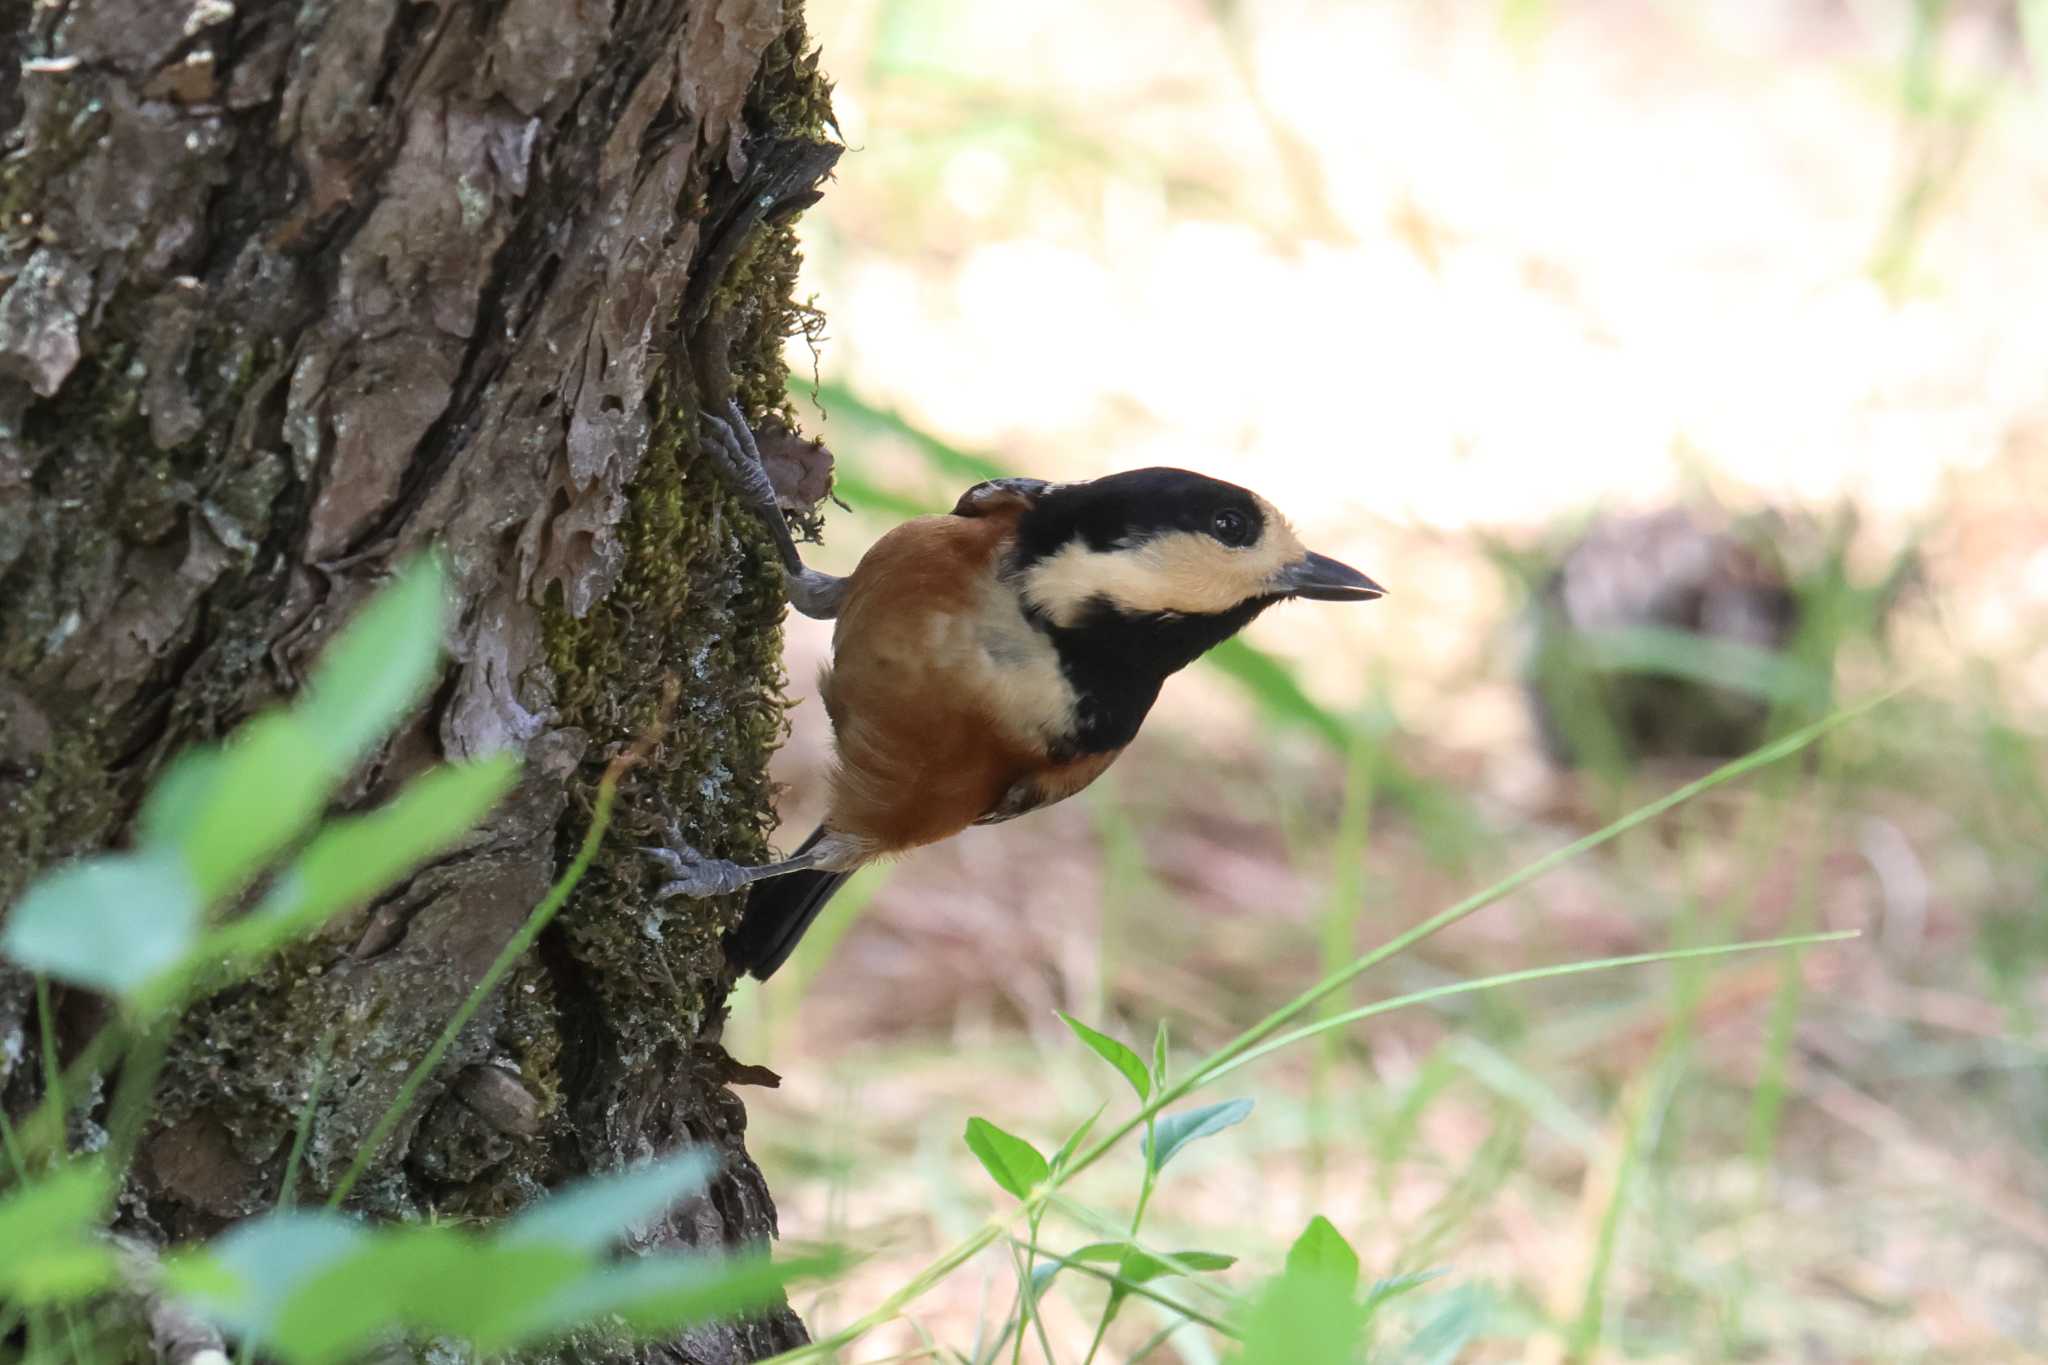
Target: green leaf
x,y
1098,1251
378,667
1176,1131
354,858
592,1214
247,800
1302,1320
1133,1264
1139,1266
1136,1267
174,800
661,1294
1322,1250
69,1273
49,1227
1159,1051
317,1288
111,923
349,861
231,809
1142,1267
1075,1139
234,807
1012,1162
429,1279
1115,1053
245,1277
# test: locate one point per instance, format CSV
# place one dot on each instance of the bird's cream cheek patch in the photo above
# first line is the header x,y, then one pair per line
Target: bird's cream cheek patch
x,y
1183,571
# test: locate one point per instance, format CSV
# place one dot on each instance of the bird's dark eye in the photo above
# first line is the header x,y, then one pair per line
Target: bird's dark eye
x,y
1232,527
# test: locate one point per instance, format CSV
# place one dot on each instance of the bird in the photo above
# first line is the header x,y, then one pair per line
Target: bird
x,y
997,659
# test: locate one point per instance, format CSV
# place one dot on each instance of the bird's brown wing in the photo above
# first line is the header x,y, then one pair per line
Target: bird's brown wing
x,y
1046,785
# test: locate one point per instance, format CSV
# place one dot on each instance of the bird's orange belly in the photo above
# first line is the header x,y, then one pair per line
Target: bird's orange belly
x,y
942,696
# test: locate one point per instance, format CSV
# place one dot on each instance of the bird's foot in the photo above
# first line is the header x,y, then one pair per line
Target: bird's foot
x,y
692,874
730,444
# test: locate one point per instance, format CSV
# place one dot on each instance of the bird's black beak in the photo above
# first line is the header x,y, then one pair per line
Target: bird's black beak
x,y
1325,580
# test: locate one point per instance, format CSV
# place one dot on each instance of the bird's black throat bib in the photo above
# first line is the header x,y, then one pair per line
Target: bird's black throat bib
x,y
1116,663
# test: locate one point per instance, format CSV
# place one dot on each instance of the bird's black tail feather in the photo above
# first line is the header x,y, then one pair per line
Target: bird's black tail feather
x,y
779,910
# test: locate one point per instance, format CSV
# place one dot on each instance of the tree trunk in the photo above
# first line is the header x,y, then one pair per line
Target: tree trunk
x,y
290,290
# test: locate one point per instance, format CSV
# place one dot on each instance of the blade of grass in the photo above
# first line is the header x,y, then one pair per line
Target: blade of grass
x,y
1507,886
1022,1257
1125,879
46,1024
1769,1098
1485,983
1157,1340
1278,693
1339,925
1644,1116
288,1188
53,1087
1511,1081
1642,1103
45,1126
129,1113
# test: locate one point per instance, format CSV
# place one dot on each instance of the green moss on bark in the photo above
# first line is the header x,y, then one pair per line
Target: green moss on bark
x,y
529,1032
66,800
699,601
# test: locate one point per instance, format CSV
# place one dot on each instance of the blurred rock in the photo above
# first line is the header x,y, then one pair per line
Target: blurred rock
x,y
1655,636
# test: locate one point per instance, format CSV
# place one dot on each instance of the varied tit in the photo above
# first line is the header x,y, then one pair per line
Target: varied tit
x,y
997,660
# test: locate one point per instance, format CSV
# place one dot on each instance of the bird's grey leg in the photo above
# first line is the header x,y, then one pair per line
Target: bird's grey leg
x,y
731,444
697,876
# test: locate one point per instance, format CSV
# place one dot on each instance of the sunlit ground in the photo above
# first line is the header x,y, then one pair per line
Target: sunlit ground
x,y
1432,277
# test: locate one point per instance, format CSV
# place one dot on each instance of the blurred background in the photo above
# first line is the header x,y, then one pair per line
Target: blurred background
x,y
1682,370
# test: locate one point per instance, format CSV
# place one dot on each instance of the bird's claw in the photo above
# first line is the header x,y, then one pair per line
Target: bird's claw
x,y
692,874
732,447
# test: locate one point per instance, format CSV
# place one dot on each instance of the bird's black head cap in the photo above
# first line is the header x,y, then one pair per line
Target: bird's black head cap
x,y
1119,511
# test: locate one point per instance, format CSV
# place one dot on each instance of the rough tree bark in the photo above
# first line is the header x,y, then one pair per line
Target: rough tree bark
x,y
290,289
